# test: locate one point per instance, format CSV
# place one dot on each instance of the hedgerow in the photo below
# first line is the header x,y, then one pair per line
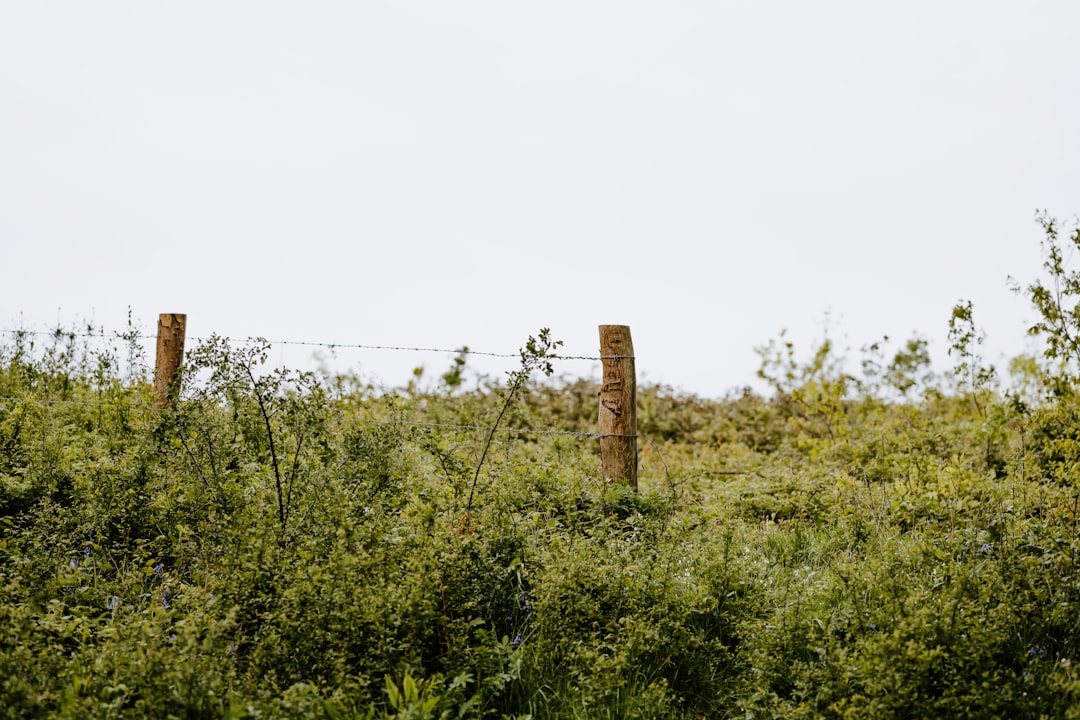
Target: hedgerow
x,y
282,544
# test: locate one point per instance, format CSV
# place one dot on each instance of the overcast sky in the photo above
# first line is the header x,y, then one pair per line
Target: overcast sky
x,y
451,173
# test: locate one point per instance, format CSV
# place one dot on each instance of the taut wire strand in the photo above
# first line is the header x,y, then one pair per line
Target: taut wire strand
x,y
312,343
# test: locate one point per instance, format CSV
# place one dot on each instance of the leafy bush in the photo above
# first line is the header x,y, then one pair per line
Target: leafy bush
x,y
282,545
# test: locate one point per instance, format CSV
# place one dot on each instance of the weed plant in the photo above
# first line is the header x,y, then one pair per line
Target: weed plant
x,y
890,545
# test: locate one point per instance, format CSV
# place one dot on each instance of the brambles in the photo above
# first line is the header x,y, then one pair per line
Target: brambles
x,y
279,545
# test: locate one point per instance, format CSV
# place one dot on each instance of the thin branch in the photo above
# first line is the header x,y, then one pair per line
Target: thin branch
x,y
491,435
273,451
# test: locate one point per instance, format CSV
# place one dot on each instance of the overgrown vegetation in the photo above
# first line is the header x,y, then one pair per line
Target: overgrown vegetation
x,y
891,543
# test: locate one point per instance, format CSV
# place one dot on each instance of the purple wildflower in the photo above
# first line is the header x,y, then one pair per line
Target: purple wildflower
x,y
159,569
165,597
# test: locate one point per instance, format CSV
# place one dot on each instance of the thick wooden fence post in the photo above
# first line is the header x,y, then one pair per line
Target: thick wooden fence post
x,y
170,353
618,405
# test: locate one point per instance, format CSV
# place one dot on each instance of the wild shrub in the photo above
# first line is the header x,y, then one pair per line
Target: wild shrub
x,y
283,545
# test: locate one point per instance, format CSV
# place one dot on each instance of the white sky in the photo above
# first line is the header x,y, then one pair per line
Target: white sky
x,y
440,174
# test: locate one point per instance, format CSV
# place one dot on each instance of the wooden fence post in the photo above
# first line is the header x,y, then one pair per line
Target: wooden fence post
x,y
618,405
170,353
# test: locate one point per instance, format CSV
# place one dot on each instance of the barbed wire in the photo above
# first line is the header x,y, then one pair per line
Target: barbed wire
x,y
311,343
61,335
385,423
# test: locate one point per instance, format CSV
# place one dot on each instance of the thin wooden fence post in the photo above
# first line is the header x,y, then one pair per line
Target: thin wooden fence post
x,y
618,405
170,353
